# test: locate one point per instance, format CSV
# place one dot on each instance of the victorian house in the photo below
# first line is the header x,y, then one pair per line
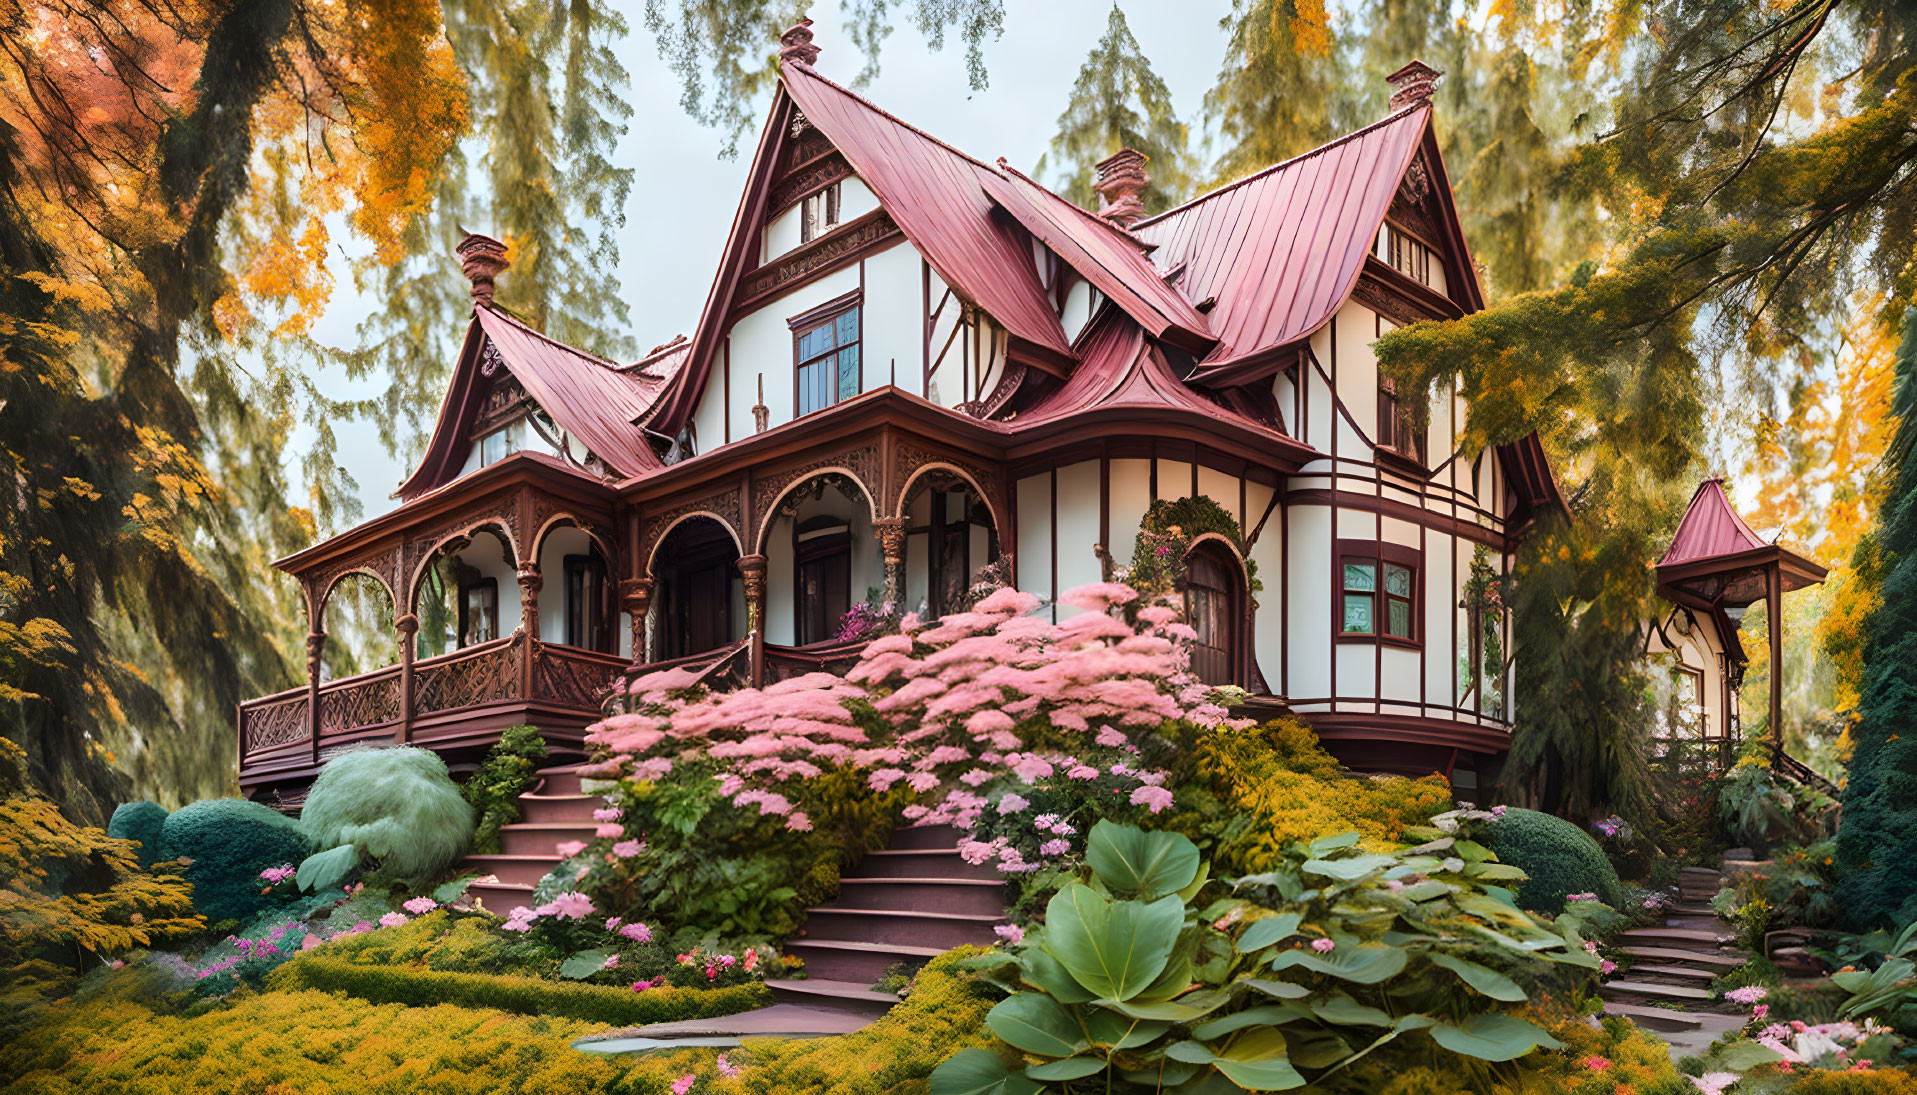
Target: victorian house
x,y
913,364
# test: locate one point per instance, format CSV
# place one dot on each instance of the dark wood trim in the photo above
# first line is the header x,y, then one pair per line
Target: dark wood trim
x,y
806,179
1403,511
841,247
1363,726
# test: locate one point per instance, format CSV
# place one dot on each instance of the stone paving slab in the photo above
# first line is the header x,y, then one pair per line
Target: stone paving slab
x,y
777,1021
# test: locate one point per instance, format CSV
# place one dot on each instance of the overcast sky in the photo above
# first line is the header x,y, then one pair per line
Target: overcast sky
x,y
683,196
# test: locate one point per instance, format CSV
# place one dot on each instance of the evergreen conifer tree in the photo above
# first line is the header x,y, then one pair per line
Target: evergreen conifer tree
x,y
1118,102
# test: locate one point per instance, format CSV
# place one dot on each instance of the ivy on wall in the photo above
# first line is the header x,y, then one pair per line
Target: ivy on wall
x,y
1165,537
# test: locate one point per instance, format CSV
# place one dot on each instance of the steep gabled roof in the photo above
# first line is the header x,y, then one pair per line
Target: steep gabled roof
x,y
1716,559
1279,251
590,398
1114,262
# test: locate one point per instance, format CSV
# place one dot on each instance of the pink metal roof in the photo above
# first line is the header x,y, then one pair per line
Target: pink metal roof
x,y
1115,262
935,194
1710,528
590,398
1280,250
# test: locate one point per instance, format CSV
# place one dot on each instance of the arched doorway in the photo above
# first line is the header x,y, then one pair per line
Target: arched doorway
x,y
1215,607
467,595
821,559
949,538
698,602
577,607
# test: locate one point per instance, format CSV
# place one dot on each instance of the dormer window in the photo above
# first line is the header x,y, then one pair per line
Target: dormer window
x,y
502,442
1398,432
819,214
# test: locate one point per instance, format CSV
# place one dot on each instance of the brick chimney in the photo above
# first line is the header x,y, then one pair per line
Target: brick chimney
x,y
481,259
796,43
1121,179
1412,84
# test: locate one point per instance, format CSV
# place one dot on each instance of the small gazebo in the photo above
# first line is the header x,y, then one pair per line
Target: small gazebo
x,y
1717,564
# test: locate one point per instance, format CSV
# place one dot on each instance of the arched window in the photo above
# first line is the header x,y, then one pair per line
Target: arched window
x,y
1214,606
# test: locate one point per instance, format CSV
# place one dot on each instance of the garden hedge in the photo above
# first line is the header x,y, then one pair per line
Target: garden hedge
x,y
417,987
1559,857
139,821
230,841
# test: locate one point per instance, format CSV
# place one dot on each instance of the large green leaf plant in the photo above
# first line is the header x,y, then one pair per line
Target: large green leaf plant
x,y
1339,957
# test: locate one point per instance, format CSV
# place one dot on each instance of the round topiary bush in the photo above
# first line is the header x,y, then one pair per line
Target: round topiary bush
x,y
139,821
394,804
230,841
1559,857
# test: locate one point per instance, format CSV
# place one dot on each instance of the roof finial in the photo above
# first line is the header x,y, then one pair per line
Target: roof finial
x,y
481,259
1121,179
1411,84
796,43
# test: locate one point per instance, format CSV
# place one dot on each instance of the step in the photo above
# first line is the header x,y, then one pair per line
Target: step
x,y
501,898
1720,961
821,992
541,837
929,929
1690,908
1708,923
922,863
525,870
1690,938
562,780
914,837
1658,1019
545,809
1671,974
1655,991
965,896
857,962
1698,872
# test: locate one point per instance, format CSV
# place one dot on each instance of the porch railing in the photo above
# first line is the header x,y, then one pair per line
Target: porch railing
x,y
360,707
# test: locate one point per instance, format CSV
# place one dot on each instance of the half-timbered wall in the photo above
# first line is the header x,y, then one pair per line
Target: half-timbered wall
x,y
1692,641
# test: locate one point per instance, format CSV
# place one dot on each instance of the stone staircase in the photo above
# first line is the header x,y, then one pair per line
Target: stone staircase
x,y
900,906
553,812
1667,989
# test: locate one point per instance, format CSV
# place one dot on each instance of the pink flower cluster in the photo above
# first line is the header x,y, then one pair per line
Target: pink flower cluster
x,y
276,875
420,906
567,906
953,695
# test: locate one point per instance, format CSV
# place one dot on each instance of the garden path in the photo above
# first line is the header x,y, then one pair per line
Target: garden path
x,y
1667,988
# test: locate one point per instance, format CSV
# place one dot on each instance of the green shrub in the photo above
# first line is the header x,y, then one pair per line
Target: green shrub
x,y
505,774
524,995
139,821
394,804
230,841
1558,857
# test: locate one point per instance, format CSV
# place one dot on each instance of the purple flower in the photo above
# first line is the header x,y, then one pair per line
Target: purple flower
x,y
1054,847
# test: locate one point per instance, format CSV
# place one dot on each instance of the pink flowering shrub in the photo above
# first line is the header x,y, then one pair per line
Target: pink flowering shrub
x,y
987,720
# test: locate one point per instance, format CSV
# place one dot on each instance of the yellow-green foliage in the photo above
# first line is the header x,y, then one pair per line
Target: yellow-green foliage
x,y
1287,788
315,1043
308,1043
66,889
464,945
420,987
1876,1081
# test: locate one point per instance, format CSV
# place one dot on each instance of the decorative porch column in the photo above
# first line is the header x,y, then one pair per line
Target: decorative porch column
x,y
315,650
891,532
635,597
408,626
529,584
752,569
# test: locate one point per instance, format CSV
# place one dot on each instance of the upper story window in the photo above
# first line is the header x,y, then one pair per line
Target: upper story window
x,y
1410,256
1398,430
819,214
1378,598
826,355
500,443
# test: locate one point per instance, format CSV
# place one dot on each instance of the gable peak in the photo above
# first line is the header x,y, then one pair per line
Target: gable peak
x,y
1412,84
796,43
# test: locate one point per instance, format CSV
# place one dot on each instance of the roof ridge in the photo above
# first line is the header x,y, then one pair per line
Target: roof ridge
x,y
1117,230
543,337
1281,164
877,109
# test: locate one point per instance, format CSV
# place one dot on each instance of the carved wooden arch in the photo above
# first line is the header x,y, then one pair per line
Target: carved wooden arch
x,y
938,464
325,584
724,506
860,464
1244,653
585,525
1231,549
426,548
652,553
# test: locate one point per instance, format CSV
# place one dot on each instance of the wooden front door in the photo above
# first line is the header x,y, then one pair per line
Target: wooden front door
x,y
1211,609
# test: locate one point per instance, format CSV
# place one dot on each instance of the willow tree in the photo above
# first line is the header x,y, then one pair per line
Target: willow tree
x,y
1119,102
1753,167
145,148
